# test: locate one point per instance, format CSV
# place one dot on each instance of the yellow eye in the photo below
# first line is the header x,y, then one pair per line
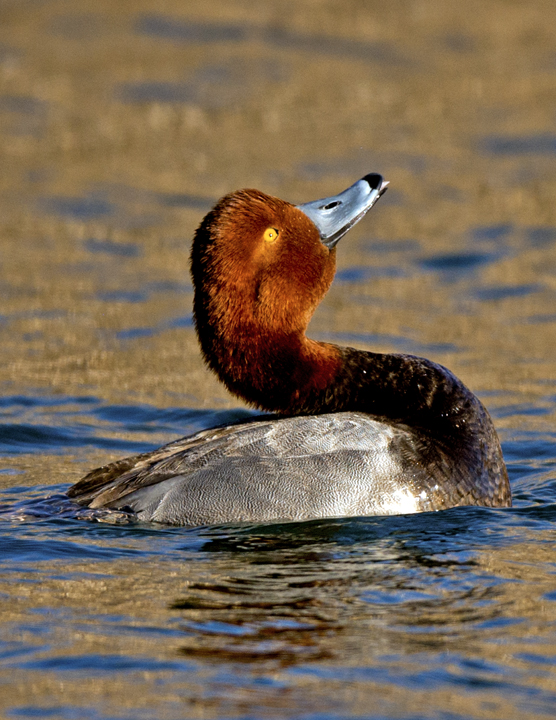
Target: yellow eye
x,y
270,234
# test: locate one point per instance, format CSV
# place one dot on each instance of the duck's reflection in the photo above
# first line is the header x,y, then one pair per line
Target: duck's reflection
x,y
285,594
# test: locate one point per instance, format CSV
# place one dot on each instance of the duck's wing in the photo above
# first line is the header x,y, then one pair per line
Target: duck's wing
x,y
291,468
110,483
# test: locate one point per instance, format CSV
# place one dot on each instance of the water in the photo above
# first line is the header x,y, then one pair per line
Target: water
x,y
120,126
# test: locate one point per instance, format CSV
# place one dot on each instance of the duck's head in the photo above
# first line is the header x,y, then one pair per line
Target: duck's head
x,y
260,267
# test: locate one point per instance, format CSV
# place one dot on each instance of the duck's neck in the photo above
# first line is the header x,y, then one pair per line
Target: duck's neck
x,y
287,374
295,375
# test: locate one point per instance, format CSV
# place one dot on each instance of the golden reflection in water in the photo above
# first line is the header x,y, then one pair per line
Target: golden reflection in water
x,y
317,615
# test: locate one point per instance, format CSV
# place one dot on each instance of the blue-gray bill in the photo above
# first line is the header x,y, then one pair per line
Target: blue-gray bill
x,y
335,215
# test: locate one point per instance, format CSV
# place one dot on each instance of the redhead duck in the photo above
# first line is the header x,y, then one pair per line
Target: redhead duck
x,y
353,432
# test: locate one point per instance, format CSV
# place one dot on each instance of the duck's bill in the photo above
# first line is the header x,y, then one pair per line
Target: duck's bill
x,y
334,216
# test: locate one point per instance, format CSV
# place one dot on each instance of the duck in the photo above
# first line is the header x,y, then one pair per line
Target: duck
x,y
344,432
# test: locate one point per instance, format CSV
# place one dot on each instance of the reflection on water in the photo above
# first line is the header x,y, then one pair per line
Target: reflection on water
x,y
543,144
119,128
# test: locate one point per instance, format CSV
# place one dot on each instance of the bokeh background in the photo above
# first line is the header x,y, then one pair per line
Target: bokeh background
x,y
120,125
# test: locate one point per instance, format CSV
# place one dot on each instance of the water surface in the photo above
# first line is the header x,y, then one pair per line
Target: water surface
x,y
119,127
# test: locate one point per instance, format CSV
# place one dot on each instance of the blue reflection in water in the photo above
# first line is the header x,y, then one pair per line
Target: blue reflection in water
x,y
541,144
109,247
187,31
361,273
214,86
492,232
501,292
175,29
184,321
457,262
80,208
23,114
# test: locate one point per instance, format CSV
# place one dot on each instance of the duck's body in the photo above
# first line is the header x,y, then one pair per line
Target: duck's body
x,y
364,433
